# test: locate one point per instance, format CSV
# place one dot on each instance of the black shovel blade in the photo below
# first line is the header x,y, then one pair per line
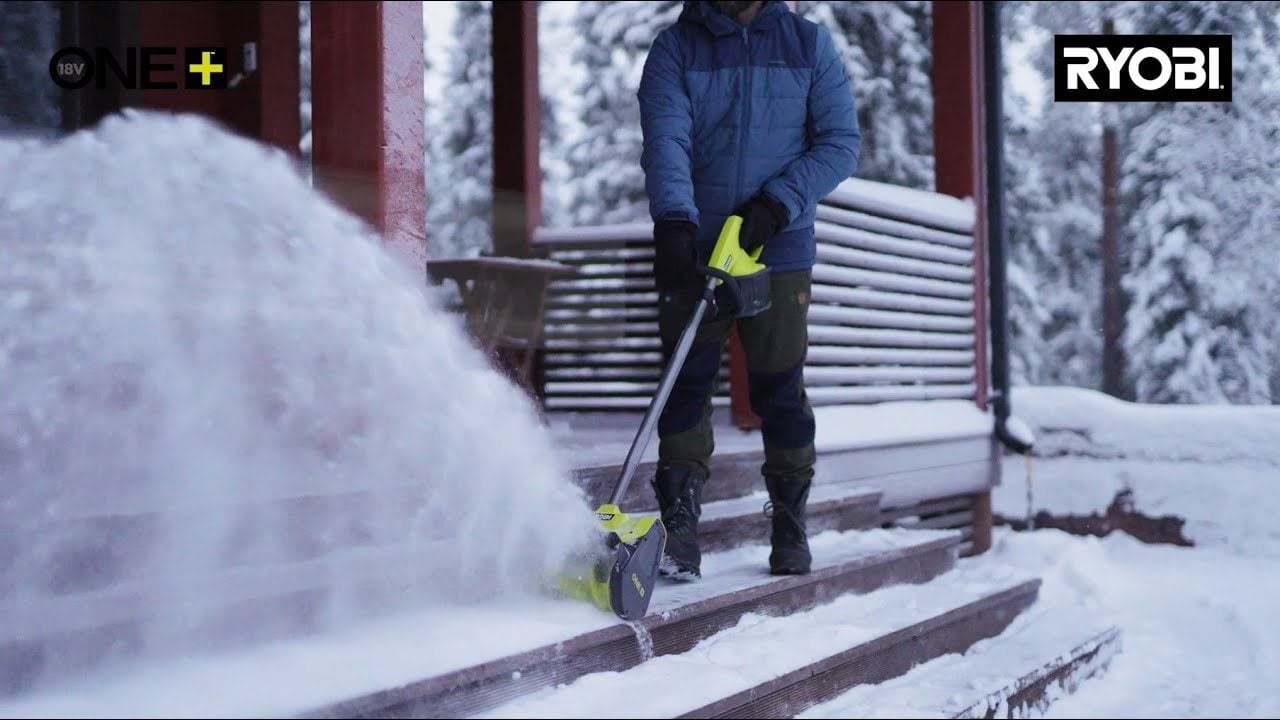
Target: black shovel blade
x,y
635,572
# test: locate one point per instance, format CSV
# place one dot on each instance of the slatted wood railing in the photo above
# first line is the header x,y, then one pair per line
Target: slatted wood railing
x,y
602,350
891,318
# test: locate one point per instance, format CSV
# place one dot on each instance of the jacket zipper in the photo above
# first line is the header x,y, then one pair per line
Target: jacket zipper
x,y
746,114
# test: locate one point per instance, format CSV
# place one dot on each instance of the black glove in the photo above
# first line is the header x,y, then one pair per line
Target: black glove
x,y
675,260
762,218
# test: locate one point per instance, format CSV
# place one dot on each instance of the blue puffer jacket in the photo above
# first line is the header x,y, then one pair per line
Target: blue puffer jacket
x,y
727,111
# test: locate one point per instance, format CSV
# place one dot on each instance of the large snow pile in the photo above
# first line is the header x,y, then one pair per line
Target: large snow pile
x,y
189,334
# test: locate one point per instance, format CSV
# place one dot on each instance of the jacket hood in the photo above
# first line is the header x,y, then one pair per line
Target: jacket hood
x,y
704,13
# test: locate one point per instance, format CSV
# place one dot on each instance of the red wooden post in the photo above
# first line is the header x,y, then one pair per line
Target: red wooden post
x,y
959,156
739,391
958,144
517,127
517,135
369,116
278,84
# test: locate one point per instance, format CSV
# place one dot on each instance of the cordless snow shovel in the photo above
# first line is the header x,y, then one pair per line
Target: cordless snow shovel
x,y
622,579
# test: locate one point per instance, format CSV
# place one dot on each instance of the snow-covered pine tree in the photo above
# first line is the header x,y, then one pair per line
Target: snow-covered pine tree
x,y
1066,150
28,97
1262,189
607,182
553,131
1249,159
460,155
1052,199
1030,256
304,79
460,144
887,53
549,142
1193,334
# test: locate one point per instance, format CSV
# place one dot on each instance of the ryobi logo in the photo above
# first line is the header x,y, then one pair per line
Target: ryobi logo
x,y
1142,68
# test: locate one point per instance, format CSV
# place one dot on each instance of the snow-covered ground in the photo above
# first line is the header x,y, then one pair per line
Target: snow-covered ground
x,y
1200,631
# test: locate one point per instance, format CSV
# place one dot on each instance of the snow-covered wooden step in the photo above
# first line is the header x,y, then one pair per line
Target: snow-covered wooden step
x,y
736,587
1044,654
768,666
726,524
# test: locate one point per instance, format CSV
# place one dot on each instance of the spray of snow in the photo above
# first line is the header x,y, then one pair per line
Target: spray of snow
x,y
218,387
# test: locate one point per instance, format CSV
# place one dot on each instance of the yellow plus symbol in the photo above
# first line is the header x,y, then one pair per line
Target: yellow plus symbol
x,y
205,67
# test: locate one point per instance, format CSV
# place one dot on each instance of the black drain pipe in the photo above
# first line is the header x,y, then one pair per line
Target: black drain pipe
x,y
1009,430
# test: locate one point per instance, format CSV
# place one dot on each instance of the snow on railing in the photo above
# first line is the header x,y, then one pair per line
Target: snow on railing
x,y
880,261
592,236
891,314
846,276
918,207
835,314
865,298
858,356
880,337
838,237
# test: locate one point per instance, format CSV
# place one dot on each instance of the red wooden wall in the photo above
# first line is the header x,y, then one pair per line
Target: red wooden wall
x,y
260,106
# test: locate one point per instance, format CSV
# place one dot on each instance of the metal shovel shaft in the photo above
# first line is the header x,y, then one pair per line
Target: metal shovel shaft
x,y
641,442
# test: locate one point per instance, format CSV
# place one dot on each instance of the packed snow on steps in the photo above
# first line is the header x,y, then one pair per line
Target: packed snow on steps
x,y
1198,635
1198,639
759,648
294,676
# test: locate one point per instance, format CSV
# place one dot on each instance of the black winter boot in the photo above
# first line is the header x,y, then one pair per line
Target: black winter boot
x,y
678,488
786,508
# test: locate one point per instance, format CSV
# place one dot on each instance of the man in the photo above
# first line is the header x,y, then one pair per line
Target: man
x,y
745,109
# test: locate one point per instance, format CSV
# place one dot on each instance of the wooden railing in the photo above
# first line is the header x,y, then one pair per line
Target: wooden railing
x,y
891,318
602,350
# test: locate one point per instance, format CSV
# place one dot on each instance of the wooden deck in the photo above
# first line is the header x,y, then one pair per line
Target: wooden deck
x,y
932,463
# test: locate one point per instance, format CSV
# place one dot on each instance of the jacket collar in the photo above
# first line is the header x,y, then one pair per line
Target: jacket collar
x,y
703,13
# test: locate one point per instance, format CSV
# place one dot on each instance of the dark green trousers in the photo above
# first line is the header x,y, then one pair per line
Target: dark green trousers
x,y
776,344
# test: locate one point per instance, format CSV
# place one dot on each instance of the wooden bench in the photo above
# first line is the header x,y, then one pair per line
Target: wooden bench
x,y
502,300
